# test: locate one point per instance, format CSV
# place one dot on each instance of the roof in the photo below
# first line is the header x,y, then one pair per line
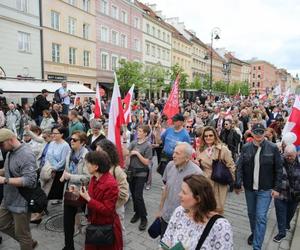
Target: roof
x,y
195,39
176,34
32,86
215,54
151,13
232,58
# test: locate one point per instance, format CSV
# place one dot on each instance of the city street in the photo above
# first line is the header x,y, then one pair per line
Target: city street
x,y
235,211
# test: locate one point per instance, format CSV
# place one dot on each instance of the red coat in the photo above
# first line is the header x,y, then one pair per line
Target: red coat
x,y
102,208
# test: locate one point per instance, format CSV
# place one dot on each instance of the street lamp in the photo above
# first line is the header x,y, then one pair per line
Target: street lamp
x,y
214,35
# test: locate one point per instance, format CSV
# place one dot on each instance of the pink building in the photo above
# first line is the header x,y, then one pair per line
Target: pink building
x,y
119,36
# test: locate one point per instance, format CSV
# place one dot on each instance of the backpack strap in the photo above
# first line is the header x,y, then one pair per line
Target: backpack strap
x,y
207,229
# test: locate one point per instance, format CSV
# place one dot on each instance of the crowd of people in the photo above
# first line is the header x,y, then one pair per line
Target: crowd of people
x,y
212,146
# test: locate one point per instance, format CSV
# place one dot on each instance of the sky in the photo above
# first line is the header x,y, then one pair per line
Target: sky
x,y
264,29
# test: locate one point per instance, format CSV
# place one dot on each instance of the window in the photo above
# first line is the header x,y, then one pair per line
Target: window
x,y
72,25
253,76
72,56
114,37
168,38
136,44
86,5
136,23
24,41
158,52
158,34
153,50
86,58
258,76
104,34
164,36
114,62
253,84
72,2
114,12
148,49
163,54
123,16
55,52
85,30
168,56
148,28
104,7
258,67
54,20
123,41
258,84
153,31
104,61
254,68
22,5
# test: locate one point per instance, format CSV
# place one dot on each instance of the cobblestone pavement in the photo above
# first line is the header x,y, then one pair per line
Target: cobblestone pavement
x,y
235,211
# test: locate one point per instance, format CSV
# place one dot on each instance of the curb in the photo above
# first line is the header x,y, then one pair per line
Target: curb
x,y
296,237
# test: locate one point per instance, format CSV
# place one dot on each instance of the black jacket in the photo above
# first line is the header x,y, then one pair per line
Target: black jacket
x,y
93,145
270,171
231,138
41,103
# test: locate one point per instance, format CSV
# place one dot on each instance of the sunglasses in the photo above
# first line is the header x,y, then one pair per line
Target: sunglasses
x,y
258,132
74,139
210,135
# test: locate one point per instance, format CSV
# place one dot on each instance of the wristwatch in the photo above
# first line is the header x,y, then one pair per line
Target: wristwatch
x,y
6,180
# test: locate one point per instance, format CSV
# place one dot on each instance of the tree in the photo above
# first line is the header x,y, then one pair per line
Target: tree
x,y
154,78
130,73
219,86
196,83
178,70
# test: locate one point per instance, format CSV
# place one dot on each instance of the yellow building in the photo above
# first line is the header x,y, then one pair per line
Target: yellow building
x,y
69,41
182,52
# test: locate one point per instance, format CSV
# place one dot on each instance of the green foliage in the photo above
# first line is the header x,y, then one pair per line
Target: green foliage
x,y
178,70
219,86
154,77
206,83
130,73
196,83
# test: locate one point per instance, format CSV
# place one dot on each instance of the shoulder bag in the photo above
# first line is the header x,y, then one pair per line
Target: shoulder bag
x,y
72,199
220,172
207,229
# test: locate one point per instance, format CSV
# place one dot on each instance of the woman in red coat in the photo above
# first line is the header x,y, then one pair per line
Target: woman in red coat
x,y
101,197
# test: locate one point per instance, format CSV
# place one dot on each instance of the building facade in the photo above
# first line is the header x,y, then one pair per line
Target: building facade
x,y
119,36
20,39
69,41
246,71
157,39
232,68
218,63
263,76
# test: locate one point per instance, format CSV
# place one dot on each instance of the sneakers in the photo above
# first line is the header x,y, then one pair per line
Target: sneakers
x,y
34,244
250,240
278,238
143,224
135,218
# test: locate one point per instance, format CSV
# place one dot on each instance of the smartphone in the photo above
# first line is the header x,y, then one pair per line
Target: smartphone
x,y
164,245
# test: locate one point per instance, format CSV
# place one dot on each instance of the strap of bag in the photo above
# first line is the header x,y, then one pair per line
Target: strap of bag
x,y
207,229
219,156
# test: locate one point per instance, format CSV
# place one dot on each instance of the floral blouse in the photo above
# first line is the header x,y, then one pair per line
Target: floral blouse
x,y
182,228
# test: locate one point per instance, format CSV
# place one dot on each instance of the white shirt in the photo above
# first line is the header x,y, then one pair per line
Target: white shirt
x,y
256,169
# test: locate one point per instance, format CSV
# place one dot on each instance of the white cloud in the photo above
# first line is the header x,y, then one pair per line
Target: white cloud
x,y
266,29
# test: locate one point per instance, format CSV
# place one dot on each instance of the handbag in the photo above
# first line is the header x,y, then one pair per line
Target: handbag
x,y
72,199
155,229
207,229
100,235
130,172
36,197
220,172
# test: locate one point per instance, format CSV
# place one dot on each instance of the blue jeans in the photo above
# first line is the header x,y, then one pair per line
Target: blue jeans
x,y
258,203
285,211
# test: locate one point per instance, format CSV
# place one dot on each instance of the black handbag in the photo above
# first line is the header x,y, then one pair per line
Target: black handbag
x,y
100,235
130,172
220,172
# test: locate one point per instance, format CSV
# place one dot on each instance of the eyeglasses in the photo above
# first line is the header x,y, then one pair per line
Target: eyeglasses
x,y
55,133
188,127
226,124
210,135
74,139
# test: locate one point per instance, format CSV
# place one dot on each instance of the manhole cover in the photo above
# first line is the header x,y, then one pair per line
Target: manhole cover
x,y
55,223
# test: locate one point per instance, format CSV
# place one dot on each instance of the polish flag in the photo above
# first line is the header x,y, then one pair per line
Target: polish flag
x,y
116,120
291,131
97,111
263,96
228,114
127,101
277,90
172,105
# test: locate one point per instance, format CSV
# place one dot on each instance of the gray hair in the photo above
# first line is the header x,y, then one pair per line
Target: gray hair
x,y
290,149
188,148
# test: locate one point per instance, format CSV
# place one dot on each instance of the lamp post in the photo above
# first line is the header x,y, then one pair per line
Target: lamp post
x,y
214,35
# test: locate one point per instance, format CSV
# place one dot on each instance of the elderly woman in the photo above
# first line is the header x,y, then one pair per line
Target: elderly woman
x,y
210,149
96,135
197,208
101,198
288,200
75,173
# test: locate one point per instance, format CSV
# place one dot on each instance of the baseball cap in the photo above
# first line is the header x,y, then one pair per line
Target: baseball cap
x,y
258,129
6,134
178,117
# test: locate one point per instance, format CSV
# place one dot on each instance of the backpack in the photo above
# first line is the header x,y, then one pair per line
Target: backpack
x,y
57,98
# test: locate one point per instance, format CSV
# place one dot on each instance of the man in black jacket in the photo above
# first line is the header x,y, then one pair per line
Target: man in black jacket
x,y
41,103
259,169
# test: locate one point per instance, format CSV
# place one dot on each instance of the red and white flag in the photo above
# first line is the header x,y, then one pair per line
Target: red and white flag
x,y
172,105
76,100
116,120
127,102
291,131
98,110
228,114
263,96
